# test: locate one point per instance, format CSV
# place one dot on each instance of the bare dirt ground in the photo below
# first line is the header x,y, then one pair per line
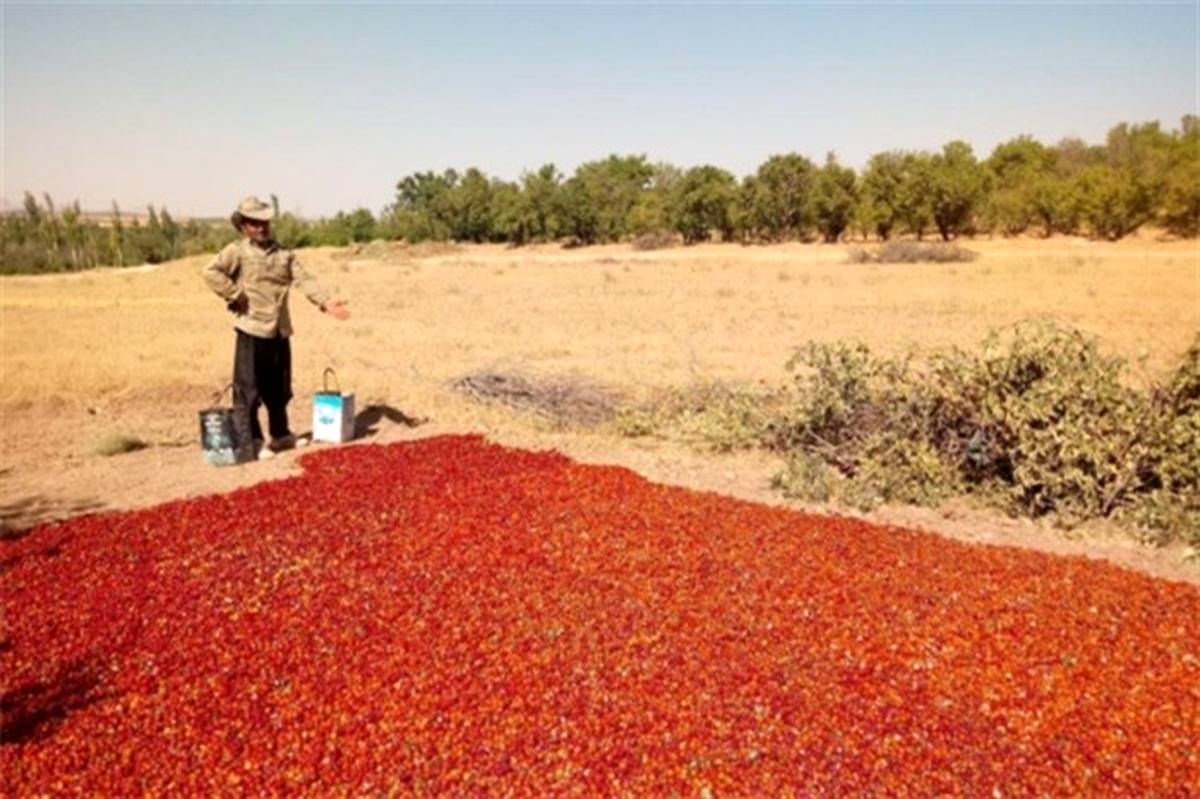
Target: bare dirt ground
x,y
140,351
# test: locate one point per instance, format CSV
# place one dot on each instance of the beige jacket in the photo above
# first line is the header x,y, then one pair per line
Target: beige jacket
x,y
262,275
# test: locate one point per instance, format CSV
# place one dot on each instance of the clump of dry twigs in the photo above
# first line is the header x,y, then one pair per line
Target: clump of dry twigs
x,y
571,401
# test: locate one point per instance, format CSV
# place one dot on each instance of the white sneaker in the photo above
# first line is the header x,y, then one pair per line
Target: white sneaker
x,y
265,454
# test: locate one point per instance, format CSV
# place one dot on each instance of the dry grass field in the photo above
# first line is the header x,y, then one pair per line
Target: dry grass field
x,y
140,350
633,319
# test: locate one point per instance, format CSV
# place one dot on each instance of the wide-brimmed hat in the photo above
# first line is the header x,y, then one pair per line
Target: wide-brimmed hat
x,y
252,208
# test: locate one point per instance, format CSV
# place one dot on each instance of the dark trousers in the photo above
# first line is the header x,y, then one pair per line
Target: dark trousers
x,y
262,375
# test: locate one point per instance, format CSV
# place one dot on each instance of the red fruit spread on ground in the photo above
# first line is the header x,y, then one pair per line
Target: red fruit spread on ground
x,y
450,617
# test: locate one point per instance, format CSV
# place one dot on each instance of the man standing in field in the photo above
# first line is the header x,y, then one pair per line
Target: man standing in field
x,y
253,276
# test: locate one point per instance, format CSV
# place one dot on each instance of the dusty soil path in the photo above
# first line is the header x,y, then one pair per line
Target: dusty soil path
x,y
47,474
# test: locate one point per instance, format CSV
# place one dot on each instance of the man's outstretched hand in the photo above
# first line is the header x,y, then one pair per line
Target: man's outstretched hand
x,y
338,310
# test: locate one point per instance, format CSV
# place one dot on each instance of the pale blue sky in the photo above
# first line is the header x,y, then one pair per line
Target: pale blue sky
x,y
194,106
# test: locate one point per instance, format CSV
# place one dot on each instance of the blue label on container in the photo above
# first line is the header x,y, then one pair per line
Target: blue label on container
x,y
328,408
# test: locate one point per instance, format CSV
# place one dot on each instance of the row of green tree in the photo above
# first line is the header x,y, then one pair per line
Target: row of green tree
x,y
1141,175
43,238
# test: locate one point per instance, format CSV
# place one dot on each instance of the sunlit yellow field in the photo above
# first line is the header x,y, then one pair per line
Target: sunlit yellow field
x,y
630,319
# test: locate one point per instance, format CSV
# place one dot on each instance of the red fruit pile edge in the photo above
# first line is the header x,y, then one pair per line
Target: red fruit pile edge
x,y
450,617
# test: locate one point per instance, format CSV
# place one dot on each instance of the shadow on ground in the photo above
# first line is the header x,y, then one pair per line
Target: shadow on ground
x,y
52,550
36,709
366,421
18,517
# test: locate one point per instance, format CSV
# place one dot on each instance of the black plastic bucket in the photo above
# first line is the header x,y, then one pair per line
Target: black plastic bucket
x,y
219,435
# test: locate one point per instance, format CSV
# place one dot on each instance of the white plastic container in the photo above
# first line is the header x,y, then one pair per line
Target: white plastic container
x,y
333,413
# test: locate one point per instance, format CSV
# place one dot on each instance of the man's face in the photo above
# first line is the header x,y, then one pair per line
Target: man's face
x,y
256,230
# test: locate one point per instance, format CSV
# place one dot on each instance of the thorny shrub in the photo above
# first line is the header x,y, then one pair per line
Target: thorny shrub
x,y
1171,506
655,240
717,416
900,251
1039,418
563,401
866,419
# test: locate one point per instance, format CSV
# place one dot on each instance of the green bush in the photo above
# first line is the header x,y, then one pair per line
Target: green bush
x,y
715,416
1049,416
807,476
842,394
1039,421
701,203
868,418
888,470
834,199
1171,508
893,469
